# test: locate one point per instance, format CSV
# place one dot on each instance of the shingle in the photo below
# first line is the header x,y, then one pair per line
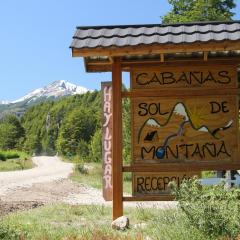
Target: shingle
x,y
133,35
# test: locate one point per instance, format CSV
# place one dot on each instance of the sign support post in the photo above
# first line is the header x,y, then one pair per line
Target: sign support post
x,y
117,138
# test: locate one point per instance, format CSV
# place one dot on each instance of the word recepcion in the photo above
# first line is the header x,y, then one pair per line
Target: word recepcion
x,y
158,183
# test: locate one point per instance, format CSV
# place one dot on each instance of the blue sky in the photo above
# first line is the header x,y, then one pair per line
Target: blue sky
x,y
35,38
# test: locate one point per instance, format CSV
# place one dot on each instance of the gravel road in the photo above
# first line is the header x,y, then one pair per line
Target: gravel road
x,y
48,182
47,169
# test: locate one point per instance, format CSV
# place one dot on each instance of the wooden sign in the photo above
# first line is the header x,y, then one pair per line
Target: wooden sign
x,y
183,76
184,129
157,183
107,139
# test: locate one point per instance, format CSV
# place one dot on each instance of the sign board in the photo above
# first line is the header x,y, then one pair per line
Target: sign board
x,y
106,88
215,77
184,129
157,183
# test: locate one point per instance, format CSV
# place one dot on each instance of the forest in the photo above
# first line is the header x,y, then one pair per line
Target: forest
x,y
70,127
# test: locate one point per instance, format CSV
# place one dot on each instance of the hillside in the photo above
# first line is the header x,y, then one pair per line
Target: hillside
x,y
69,126
53,91
59,126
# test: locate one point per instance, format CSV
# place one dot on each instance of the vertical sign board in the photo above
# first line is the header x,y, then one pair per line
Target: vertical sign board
x,y
183,129
106,88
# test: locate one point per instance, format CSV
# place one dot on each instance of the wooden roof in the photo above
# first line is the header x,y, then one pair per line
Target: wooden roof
x,y
155,43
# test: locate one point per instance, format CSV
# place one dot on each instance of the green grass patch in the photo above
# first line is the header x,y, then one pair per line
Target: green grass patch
x,y
91,174
204,213
209,174
94,222
14,160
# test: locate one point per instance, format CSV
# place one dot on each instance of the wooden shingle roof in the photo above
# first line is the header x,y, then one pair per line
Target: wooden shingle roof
x,y
98,44
133,35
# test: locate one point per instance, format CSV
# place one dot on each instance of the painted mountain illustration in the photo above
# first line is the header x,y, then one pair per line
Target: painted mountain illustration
x,y
177,124
179,111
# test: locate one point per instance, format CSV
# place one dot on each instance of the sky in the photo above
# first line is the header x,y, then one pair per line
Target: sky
x,y
36,35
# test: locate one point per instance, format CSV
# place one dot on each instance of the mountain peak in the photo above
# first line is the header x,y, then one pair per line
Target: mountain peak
x,y
60,83
59,88
54,90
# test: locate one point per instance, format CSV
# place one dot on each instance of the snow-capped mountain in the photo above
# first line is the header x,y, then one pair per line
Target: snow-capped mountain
x,y
4,102
55,90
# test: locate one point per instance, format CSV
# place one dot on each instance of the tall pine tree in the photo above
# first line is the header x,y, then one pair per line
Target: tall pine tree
x,y
199,10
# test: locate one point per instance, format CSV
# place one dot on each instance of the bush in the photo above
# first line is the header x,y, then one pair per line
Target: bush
x,y
81,169
11,233
12,155
83,150
213,210
2,156
95,147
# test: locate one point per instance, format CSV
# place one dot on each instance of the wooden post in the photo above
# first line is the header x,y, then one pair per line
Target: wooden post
x,y
117,138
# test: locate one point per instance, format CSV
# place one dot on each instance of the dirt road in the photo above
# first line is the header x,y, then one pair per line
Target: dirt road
x,y
47,169
48,183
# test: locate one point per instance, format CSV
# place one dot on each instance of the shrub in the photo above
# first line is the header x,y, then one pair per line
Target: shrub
x,y
11,233
2,156
213,210
81,168
95,147
83,150
12,155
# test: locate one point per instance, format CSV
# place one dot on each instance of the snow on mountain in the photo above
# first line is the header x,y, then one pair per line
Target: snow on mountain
x,y
180,110
229,124
203,129
56,89
153,122
4,102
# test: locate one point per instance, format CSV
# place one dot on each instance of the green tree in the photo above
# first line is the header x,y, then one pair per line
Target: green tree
x,y
8,138
83,150
96,146
199,10
11,132
79,125
32,144
44,122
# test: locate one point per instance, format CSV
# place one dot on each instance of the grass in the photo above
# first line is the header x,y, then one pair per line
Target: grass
x,y
209,174
67,222
91,174
88,173
14,160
